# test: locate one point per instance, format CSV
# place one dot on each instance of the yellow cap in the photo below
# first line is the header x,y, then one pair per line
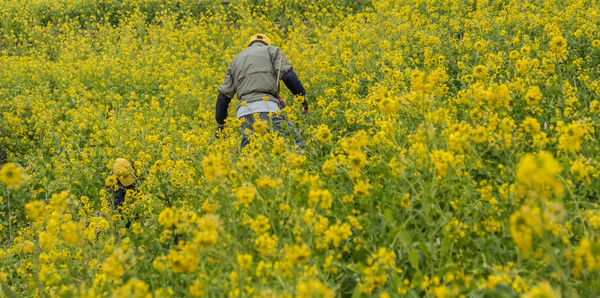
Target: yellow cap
x,y
124,171
260,37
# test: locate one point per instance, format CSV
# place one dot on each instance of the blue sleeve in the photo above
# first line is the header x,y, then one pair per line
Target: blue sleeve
x,y
293,83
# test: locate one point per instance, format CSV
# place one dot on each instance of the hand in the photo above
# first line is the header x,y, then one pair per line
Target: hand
x,y
220,131
305,105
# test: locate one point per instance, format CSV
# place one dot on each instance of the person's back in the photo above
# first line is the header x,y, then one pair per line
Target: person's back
x,y
253,74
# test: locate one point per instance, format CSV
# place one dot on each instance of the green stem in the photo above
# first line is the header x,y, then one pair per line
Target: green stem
x,y
576,201
559,270
9,220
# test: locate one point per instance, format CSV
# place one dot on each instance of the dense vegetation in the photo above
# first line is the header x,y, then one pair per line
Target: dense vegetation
x,y
451,149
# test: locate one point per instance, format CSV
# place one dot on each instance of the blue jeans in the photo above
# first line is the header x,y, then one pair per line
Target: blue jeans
x,y
276,123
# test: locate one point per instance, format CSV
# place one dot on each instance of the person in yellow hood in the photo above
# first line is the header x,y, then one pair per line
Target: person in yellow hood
x,y
126,179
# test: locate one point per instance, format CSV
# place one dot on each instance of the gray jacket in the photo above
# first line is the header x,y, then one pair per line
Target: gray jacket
x,y
252,74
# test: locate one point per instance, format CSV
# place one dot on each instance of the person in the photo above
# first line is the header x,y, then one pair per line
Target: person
x,y
254,76
126,180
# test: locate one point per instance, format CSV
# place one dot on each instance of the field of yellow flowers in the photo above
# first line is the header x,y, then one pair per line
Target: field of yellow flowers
x,y
452,149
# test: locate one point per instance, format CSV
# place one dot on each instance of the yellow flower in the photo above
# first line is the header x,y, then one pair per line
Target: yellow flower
x,y
134,288
543,289
167,218
323,134
215,166
581,169
314,288
34,209
361,189
405,202
299,99
480,72
336,233
533,95
329,167
259,126
297,254
11,175
266,244
184,259
513,55
113,265
265,182
388,104
28,246
539,173
196,289
159,263
374,275
245,193
531,126
297,160
47,240
442,160
558,44
321,196
205,238
244,261
357,160
110,181
71,232
573,135
260,224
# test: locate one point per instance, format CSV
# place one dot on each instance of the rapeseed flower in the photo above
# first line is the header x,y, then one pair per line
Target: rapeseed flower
x,y
183,259
362,189
539,173
459,125
11,175
480,72
558,44
297,254
357,160
323,134
196,289
314,288
245,193
259,126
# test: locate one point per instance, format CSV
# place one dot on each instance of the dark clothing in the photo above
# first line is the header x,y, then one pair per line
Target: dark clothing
x,y
119,194
293,83
221,109
119,191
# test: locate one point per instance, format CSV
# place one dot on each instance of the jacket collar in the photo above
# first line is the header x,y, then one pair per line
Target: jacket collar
x,y
260,42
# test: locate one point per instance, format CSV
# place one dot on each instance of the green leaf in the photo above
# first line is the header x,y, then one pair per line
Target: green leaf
x,y
356,293
413,258
446,246
389,218
399,236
